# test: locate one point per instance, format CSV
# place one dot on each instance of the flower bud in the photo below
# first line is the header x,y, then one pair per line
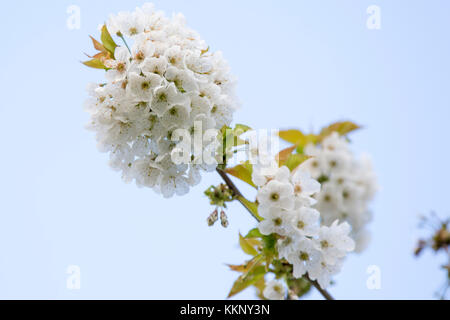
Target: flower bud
x,y
224,219
213,217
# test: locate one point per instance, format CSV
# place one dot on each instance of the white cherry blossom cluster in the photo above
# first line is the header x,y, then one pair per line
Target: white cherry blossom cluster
x,y
285,202
348,185
168,80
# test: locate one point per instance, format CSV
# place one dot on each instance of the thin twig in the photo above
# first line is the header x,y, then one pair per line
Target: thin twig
x,y
323,292
239,196
235,190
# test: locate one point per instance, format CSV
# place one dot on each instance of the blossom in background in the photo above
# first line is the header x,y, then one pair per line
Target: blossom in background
x,y
168,80
348,185
284,203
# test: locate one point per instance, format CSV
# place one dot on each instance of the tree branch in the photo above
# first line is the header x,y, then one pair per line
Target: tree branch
x,y
239,196
323,292
235,190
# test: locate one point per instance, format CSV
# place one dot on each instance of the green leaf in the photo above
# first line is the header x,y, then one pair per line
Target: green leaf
x,y
108,41
294,160
342,128
248,266
251,206
269,242
243,172
292,136
254,233
241,128
247,246
244,281
298,138
269,249
95,63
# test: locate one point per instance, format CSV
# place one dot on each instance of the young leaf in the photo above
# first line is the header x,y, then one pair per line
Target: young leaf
x,y
247,246
254,233
293,136
294,160
297,137
244,281
283,155
251,206
98,45
241,129
342,128
248,266
108,41
95,63
239,268
243,172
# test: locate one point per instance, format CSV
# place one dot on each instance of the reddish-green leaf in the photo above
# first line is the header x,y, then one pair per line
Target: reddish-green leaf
x,y
95,63
98,45
283,155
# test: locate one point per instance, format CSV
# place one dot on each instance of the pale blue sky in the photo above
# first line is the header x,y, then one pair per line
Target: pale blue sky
x,y
299,64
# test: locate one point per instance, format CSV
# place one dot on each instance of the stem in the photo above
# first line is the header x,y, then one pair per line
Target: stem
x,y
239,196
323,292
235,190
125,42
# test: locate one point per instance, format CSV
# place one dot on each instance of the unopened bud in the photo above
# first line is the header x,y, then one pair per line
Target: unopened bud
x,y
213,217
224,219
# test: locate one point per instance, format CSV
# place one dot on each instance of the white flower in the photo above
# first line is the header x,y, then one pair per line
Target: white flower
x,y
127,23
304,257
334,241
321,271
276,194
168,81
287,245
165,97
141,86
264,173
306,221
304,186
274,290
334,142
276,221
118,68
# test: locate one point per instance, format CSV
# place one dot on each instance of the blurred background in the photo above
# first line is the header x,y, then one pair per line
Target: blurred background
x,y
300,64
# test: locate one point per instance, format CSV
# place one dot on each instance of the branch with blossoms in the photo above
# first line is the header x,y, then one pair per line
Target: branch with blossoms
x,y
164,115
